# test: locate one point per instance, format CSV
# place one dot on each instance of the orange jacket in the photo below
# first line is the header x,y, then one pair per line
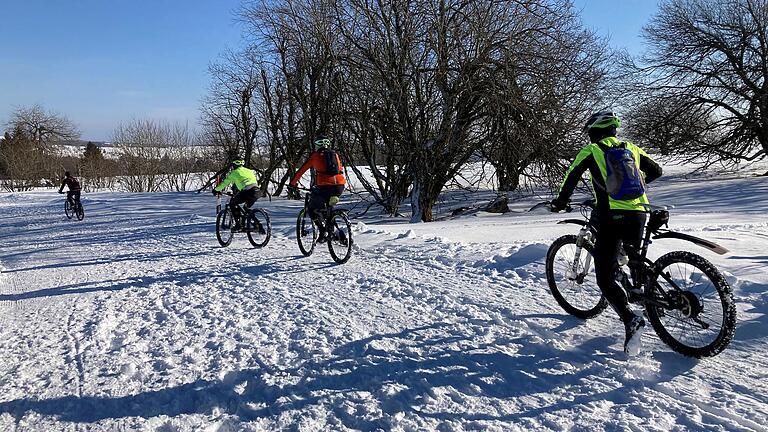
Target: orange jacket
x,y
317,161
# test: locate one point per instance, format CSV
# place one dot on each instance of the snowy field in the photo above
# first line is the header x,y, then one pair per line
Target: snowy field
x,y
135,319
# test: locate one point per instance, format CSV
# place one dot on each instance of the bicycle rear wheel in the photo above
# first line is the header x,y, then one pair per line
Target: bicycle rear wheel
x,y
702,319
575,291
68,209
259,227
224,223
340,237
79,211
306,233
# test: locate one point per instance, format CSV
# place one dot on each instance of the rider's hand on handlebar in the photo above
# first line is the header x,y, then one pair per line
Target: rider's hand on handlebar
x,y
557,205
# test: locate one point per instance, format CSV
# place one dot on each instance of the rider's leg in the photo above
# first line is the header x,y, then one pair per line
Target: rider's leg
x,y
234,206
77,196
632,236
71,201
606,249
317,200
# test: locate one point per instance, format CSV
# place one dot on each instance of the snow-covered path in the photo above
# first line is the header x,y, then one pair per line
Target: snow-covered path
x,y
135,318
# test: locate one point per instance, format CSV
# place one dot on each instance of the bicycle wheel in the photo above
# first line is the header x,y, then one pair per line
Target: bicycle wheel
x,y
306,233
340,237
575,291
68,209
702,321
224,222
259,228
79,211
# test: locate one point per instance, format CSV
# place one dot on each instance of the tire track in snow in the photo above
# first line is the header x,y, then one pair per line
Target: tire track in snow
x,y
75,351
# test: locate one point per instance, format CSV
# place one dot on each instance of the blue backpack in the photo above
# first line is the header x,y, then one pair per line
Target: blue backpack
x,y
623,180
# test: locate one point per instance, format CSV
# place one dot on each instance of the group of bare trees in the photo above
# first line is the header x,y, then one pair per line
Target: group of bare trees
x,y
411,91
147,156
156,156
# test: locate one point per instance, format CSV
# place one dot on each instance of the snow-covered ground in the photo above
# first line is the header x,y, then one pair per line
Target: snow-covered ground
x,y
135,319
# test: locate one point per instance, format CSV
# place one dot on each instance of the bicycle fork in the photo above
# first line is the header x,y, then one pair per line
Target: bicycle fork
x,y
584,237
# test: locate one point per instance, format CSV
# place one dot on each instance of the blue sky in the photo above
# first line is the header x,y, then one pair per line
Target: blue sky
x,y
100,62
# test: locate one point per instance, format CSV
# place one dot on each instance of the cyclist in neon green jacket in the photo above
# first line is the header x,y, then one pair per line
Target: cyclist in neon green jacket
x,y
247,187
619,219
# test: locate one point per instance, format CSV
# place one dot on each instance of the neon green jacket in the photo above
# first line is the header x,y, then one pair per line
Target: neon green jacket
x,y
241,177
592,158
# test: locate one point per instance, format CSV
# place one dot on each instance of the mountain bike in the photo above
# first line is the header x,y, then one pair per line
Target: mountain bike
x,y
336,225
686,298
74,210
253,221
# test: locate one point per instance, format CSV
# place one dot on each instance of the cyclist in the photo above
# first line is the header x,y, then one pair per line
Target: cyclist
x,y
247,188
329,180
617,220
73,186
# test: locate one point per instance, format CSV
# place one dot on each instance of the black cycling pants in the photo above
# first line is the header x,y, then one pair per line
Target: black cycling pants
x,y
73,197
247,196
613,228
318,198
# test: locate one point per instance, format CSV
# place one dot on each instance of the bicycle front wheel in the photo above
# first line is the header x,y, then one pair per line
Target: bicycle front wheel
x,y
700,319
259,228
571,278
340,240
306,233
224,223
68,209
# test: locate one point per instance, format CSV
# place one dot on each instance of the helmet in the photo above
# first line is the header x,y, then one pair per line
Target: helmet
x,y
238,162
322,141
67,174
602,120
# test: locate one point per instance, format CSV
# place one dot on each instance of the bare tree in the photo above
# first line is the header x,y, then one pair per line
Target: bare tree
x,y
707,69
549,81
28,151
43,127
228,109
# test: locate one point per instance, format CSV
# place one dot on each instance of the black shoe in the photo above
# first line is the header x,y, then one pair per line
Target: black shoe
x,y
633,335
321,236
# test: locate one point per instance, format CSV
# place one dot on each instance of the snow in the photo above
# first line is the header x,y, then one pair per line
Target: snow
x,y
135,319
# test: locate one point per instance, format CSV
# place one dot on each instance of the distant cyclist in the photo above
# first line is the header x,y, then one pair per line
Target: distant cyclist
x,y
619,172
247,187
329,179
73,186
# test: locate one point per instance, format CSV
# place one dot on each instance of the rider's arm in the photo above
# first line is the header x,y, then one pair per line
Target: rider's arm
x,y
307,165
61,188
648,166
582,162
224,183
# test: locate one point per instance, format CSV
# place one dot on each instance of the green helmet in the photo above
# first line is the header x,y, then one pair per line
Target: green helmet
x,y
238,162
601,120
322,141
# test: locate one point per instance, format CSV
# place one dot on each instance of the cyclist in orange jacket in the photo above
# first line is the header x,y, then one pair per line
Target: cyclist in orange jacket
x,y
329,179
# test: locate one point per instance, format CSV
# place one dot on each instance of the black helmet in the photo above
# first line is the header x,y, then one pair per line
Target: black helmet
x,y
67,174
322,141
